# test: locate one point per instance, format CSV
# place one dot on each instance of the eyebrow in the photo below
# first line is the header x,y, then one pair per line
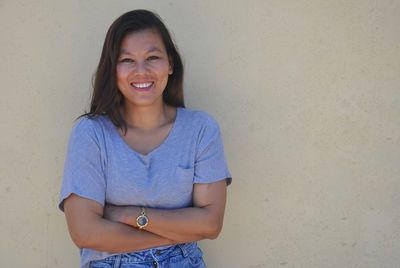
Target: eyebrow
x,y
153,49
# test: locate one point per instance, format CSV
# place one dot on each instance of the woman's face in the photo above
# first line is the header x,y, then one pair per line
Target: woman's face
x,y
143,68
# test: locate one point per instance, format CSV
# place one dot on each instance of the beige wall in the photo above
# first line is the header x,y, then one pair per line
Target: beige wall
x,y
307,94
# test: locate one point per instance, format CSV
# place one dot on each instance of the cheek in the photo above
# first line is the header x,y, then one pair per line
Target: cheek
x,y
123,71
161,68
121,77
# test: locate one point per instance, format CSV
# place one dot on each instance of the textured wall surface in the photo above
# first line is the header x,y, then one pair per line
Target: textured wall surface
x,y
307,94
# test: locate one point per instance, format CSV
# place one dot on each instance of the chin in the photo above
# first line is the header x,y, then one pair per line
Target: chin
x,y
144,102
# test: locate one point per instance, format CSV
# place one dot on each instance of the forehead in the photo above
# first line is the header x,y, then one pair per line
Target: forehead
x,y
142,41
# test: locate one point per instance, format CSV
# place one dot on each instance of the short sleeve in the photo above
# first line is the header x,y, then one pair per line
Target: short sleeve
x,y
210,163
83,169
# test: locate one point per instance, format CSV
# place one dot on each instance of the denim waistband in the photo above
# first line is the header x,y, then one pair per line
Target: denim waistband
x,y
154,254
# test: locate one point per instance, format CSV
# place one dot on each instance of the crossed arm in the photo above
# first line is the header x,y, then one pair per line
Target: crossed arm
x,y
112,228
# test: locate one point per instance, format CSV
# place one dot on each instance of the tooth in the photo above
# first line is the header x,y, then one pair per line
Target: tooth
x,y
142,85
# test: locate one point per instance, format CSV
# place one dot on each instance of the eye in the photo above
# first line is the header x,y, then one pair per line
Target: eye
x,y
152,58
126,60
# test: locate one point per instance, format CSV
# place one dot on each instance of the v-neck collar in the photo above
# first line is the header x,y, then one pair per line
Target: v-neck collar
x,y
164,143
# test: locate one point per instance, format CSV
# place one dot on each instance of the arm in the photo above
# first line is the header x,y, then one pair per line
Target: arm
x,y
204,220
88,229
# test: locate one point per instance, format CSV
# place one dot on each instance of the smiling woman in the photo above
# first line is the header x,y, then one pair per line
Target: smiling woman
x,y
143,68
144,177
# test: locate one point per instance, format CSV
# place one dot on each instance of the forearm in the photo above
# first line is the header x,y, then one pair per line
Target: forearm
x,y
202,221
182,225
89,229
117,237
185,225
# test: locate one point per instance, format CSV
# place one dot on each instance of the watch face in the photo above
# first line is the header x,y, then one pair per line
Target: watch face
x,y
142,221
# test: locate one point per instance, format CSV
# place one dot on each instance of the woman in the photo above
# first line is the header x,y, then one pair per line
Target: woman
x,y
144,178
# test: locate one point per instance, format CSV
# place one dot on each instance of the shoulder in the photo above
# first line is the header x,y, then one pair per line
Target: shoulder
x,y
200,125
91,127
199,119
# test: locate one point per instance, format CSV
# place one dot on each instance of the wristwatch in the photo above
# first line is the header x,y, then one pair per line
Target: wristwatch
x,y
142,221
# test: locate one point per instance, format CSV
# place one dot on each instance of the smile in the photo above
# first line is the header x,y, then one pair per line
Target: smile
x,y
142,86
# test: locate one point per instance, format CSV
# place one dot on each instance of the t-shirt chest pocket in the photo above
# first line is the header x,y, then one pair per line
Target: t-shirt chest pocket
x,y
183,179
178,192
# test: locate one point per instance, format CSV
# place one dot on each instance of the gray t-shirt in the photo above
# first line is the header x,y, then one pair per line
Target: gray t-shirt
x,y
100,166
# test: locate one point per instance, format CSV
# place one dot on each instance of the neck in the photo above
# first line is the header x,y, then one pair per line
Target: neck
x,y
145,117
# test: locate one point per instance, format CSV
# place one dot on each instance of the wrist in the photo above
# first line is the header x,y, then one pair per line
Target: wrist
x,y
130,215
142,221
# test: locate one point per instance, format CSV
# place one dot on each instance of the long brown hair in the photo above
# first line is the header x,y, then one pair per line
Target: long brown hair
x,y
106,97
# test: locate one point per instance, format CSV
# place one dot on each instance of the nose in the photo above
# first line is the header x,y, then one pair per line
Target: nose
x,y
141,67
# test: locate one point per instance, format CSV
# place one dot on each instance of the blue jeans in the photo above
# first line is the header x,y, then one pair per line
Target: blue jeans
x,y
176,256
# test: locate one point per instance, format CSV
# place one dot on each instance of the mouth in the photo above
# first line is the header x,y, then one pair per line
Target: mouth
x,y
142,86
